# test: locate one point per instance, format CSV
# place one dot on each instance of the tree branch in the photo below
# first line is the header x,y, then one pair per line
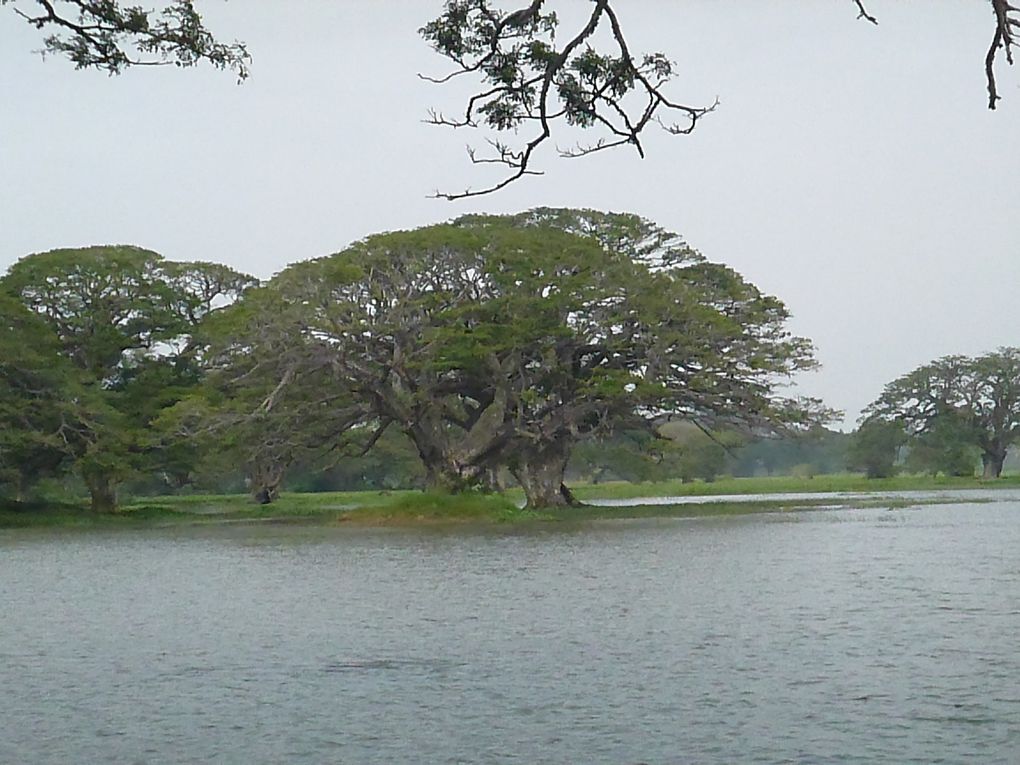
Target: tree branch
x,y
531,81
102,34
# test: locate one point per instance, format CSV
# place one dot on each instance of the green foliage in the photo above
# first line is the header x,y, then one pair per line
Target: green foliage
x,y
973,401
945,446
122,320
466,33
38,414
485,345
875,446
108,36
529,83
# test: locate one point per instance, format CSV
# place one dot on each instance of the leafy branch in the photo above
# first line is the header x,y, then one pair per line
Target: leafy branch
x,y
103,34
531,83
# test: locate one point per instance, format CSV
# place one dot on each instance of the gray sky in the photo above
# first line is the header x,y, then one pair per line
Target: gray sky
x,y
852,170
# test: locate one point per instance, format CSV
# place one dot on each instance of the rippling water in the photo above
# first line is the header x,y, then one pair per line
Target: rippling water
x,y
866,636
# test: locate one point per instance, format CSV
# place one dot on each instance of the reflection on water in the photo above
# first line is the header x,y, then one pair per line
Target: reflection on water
x,y
869,636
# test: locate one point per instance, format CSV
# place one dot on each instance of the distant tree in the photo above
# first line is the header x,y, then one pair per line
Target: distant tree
x,y
627,455
981,395
822,449
386,462
945,446
874,447
123,318
691,453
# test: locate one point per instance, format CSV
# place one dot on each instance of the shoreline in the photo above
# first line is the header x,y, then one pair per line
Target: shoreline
x,y
413,509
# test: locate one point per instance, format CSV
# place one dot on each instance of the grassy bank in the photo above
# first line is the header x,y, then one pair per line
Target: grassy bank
x,y
838,482
376,508
364,508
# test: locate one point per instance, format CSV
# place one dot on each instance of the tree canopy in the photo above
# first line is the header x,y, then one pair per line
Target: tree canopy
x,y
974,400
495,345
501,342
121,319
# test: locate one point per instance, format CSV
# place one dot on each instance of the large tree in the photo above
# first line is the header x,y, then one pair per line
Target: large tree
x,y
123,318
430,329
505,341
658,332
980,397
529,80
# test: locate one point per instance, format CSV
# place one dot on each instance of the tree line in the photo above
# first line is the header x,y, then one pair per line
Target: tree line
x,y
948,414
495,345
488,349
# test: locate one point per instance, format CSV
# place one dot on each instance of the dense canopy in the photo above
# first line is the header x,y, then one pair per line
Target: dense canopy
x,y
495,345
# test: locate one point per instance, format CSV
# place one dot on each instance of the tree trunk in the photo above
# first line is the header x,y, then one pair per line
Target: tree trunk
x,y
992,461
445,477
444,472
20,484
103,491
265,479
457,460
539,470
491,480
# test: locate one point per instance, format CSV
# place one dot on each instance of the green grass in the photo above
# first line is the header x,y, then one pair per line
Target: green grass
x,y
376,508
408,507
419,508
172,510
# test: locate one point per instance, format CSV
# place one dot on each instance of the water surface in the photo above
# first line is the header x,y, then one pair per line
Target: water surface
x,y
858,636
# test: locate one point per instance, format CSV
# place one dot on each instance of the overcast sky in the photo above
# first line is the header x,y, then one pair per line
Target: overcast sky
x,y
854,171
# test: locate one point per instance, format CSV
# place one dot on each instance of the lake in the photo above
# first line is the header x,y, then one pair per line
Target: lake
x,y
846,636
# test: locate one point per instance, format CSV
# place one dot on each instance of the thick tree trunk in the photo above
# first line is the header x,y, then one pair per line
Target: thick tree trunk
x,y
444,476
992,461
103,491
539,470
449,468
456,459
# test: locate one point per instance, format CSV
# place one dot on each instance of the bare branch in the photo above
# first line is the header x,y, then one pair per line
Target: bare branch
x,y
863,13
1002,40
